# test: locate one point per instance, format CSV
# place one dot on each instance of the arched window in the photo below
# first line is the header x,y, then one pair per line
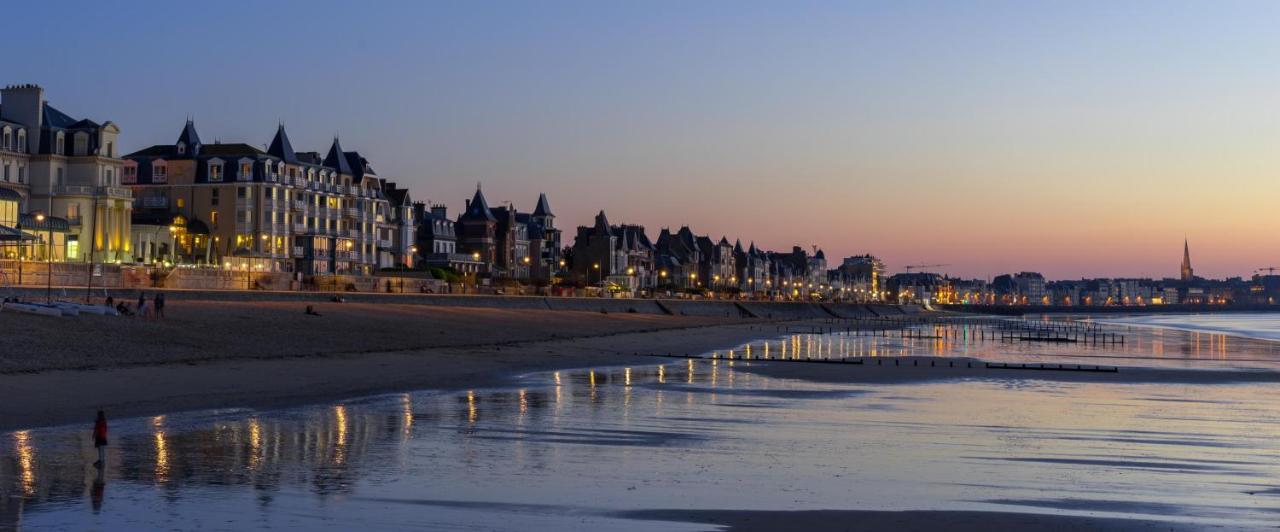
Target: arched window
x,y
8,137
60,144
22,140
182,148
159,171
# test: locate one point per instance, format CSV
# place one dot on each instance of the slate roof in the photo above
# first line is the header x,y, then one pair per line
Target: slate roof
x,y
478,209
189,135
281,147
543,208
56,118
337,159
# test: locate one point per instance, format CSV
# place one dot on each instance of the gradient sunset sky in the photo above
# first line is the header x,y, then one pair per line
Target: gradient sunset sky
x,y
1072,138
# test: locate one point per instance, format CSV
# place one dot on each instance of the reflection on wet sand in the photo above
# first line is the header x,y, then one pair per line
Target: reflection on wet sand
x,y
1143,347
612,439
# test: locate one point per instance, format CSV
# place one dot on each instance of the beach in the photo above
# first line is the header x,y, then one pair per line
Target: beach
x,y
440,417
219,354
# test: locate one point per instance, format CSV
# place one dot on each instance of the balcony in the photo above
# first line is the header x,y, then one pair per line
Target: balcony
x,y
341,189
384,244
300,228
280,228
353,233
299,205
352,212
298,252
85,190
244,203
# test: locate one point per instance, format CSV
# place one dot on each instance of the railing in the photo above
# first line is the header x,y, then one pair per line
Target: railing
x,y
298,251
242,203
86,190
281,228
341,189
73,220
352,212
384,244
300,228
299,205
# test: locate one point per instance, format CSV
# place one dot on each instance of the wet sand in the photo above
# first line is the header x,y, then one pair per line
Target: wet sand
x,y
216,354
849,520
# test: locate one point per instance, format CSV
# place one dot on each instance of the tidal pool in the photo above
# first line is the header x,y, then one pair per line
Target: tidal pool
x,y
579,449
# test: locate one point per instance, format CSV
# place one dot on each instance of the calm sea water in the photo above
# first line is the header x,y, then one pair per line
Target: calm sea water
x,y
569,450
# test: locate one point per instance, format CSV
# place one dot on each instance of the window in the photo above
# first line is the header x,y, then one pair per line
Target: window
x,y
73,247
111,149
73,212
22,140
6,171
213,198
81,144
7,138
159,172
242,192
213,217
215,170
182,202
58,179
246,170
22,174
130,174
111,176
60,144
182,148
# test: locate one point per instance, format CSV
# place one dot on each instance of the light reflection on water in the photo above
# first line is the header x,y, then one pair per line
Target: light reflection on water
x,y
564,449
1143,346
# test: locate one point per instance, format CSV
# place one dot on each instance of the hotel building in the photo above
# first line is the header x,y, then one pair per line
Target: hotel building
x,y
278,210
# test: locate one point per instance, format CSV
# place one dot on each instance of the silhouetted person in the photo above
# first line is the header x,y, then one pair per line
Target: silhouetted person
x,y
142,304
100,438
159,303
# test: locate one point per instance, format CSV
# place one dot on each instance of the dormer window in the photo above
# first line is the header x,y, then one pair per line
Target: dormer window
x,y
22,140
159,172
60,144
246,170
8,138
129,174
215,170
81,144
182,148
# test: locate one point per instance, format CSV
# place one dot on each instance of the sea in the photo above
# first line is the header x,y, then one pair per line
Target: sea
x,y
612,447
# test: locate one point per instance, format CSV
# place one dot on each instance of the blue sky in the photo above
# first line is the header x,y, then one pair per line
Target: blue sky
x,y
1074,138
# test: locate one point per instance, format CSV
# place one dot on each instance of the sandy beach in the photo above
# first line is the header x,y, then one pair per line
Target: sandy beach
x,y
220,354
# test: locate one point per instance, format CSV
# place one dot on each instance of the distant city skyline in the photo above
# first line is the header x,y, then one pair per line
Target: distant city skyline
x,y
1079,140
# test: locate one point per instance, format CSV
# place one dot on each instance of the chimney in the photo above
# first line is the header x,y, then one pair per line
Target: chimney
x,y
24,104
439,210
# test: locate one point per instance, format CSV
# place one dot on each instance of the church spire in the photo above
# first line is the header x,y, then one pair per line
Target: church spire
x,y
1187,273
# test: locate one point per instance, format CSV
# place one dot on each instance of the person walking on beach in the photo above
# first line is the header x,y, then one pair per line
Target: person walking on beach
x,y
100,438
159,304
142,304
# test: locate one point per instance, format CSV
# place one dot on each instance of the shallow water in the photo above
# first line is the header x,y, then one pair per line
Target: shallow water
x,y
1198,342
572,449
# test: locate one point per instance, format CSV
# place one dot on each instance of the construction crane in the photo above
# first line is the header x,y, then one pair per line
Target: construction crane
x,y
1271,270
910,267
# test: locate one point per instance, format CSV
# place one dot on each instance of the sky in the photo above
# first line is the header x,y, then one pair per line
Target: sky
x,y
1074,138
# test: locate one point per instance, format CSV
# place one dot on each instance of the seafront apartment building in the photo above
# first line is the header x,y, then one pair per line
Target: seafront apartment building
x,y
242,208
65,175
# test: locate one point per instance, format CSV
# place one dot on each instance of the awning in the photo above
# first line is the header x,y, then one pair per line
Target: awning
x,y
9,234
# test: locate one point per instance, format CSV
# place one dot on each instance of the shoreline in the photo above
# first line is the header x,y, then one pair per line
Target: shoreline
x,y
67,396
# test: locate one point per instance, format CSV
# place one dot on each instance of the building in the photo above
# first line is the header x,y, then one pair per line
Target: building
x,y
544,241
437,241
398,243
67,174
242,208
677,258
617,257
512,244
477,232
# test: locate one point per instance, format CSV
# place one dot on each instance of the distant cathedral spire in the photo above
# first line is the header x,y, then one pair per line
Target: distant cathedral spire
x,y
1187,273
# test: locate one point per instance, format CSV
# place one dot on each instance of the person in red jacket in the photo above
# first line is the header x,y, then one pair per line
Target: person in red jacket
x,y
100,438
